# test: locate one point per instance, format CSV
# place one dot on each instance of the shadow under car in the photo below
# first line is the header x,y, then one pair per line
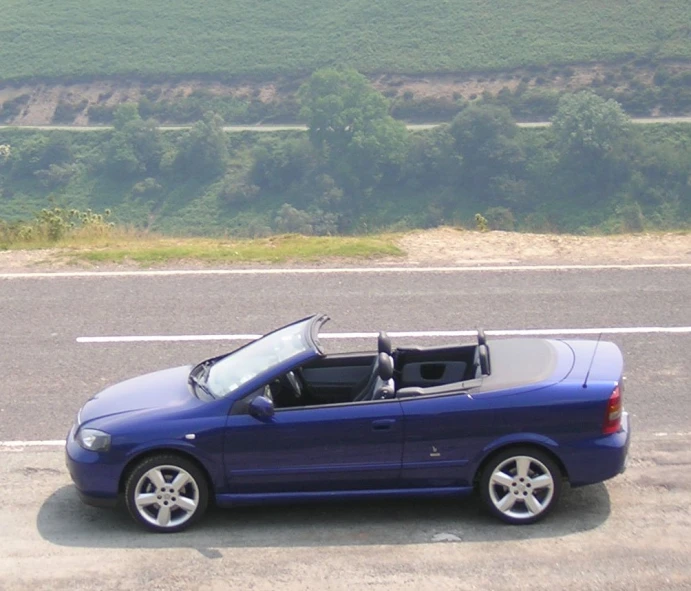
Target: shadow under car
x,y
64,520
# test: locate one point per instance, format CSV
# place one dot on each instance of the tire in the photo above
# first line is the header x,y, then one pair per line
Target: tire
x,y
156,502
520,485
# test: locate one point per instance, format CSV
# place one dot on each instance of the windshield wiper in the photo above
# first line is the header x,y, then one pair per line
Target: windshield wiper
x,y
202,385
206,368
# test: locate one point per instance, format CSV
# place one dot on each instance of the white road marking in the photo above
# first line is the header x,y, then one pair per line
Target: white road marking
x,y
21,444
400,334
343,270
677,434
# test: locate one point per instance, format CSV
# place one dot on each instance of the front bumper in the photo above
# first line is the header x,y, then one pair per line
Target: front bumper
x,y
97,480
600,459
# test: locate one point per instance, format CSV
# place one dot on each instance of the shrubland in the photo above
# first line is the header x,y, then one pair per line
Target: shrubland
x,y
358,170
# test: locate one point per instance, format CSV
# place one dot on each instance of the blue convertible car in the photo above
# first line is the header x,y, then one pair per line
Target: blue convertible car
x,y
279,420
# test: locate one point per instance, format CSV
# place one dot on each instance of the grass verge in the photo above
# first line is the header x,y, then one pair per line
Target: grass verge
x,y
148,250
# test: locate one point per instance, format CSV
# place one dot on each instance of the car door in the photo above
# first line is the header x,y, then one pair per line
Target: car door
x,y
443,434
355,446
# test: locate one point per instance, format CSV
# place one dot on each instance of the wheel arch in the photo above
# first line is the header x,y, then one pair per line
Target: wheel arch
x,y
531,444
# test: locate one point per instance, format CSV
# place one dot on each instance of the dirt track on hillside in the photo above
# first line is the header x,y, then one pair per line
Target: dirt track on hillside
x,y
43,97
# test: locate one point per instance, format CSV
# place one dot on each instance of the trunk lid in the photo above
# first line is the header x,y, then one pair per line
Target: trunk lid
x,y
598,361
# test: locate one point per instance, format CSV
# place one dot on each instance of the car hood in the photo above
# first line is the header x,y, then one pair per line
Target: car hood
x,y
162,389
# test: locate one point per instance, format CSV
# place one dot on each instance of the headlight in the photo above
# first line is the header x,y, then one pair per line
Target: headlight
x,y
93,439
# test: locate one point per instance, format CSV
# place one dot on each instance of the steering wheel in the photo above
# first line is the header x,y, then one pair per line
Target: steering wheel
x,y
294,383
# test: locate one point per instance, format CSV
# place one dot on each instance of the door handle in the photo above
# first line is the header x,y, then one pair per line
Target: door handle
x,y
383,424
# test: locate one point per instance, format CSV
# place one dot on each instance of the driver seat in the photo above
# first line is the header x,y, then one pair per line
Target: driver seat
x,y
383,346
380,386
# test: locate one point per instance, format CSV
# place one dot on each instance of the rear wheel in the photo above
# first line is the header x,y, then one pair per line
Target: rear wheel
x,y
166,493
520,485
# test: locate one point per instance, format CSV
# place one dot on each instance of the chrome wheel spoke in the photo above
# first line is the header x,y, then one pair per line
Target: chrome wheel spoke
x,y
186,504
146,499
542,481
506,503
533,504
163,518
156,477
502,479
180,480
522,467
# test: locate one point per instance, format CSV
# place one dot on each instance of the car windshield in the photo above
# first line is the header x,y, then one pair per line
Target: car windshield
x,y
229,373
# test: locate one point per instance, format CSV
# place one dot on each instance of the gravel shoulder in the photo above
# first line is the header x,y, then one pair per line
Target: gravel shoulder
x,y
443,246
448,246
630,533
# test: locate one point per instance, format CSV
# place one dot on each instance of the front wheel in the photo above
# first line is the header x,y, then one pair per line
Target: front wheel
x,y
520,485
166,493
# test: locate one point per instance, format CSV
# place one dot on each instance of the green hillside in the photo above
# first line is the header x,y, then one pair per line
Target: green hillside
x,y
76,39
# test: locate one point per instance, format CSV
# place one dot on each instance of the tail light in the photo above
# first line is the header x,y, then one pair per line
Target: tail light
x,y
612,422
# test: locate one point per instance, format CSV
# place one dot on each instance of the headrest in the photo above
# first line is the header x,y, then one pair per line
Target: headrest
x,y
484,359
384,343
385,366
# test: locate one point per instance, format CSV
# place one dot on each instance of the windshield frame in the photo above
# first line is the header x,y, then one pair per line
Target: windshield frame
x,y
310,334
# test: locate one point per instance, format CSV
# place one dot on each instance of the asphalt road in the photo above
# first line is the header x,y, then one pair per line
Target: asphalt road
x,y
632,533
48,375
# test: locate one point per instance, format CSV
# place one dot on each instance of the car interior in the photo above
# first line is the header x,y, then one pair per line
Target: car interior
x,y
385,374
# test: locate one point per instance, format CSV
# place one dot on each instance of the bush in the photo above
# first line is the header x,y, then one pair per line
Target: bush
x,y
538,223
279,163
290,220
237,190
53,224
630,217
148,186
203,150
481,222
13,107
38,152
500,218
426,109
101,114
66,112
57,175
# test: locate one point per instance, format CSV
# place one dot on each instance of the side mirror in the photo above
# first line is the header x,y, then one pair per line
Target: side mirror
x,y
261,408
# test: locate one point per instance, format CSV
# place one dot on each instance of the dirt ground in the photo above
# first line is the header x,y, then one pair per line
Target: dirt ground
x,y
42,98
631,534
447,247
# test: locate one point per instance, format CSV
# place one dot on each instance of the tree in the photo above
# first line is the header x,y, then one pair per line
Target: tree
x,y
589,127
432,160
278,163
136,146
350,126
38,153
492,158
591,137
203,151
